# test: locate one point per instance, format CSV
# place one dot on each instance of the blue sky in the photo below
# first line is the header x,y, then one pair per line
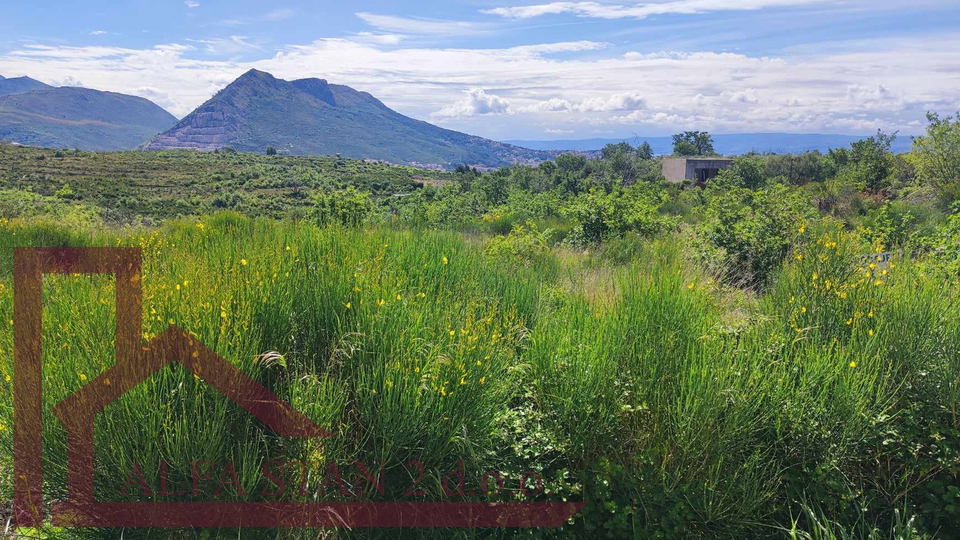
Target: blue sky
x,y
532,69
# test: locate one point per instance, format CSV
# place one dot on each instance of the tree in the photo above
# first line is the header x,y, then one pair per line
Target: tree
x,y
747,171
271,151
611,150
693,143
870,159
348,207
620,158
645,151
937,156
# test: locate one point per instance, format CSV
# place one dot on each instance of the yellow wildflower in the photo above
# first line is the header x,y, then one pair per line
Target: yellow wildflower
x,y
398,297
445,260
691,286
381,302
853,365
870,332
348,305
243,262
483,380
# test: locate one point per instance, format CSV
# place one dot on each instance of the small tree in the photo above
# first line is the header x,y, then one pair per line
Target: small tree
x,y
348,207
937,156
870,159
271,151
645,151
693,143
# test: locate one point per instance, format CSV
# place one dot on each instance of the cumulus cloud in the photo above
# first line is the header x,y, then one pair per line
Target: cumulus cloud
x,y
888,82
477,103
381,39
642,11
616,102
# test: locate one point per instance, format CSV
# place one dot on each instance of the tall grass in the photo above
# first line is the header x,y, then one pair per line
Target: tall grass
x,y
415,346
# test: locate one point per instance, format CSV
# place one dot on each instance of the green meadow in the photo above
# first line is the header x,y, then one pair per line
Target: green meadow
x,y
824,407
774,355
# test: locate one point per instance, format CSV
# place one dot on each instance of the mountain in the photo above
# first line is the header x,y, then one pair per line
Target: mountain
x,y
69,117
19,85
733,144
311,116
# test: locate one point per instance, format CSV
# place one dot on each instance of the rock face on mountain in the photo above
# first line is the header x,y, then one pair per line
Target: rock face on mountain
x,y
310,116
67,117
18,85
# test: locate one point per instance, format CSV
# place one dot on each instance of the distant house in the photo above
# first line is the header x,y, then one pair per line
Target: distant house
x,y
694,169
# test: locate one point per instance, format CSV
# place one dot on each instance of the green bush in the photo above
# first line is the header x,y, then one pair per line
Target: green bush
x,y
348,207
751,231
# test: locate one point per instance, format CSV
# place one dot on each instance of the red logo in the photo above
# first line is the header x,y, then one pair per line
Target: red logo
x,y
135,362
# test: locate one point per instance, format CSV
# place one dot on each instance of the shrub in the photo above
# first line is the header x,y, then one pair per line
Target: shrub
x,y
524,242
348,207
751,231
599,215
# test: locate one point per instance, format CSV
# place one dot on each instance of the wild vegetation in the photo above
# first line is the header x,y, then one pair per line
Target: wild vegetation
x,y
776,354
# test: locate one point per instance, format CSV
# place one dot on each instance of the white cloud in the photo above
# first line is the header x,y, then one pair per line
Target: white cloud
x,y
616,102
558,131
191,4
642,11
98,32
477,103
381,39
227,46
888,84
415,25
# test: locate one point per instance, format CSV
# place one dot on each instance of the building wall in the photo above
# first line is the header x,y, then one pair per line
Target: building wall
x,y
675,169
680,169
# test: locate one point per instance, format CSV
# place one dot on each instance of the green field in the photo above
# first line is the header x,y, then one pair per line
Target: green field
x,y
735,361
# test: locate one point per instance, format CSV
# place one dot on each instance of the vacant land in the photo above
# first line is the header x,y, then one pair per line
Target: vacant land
x,y
774,355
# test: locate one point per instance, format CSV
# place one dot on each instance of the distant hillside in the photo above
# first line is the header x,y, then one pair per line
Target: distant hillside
x,y
78,118
734,144
310,116
19,85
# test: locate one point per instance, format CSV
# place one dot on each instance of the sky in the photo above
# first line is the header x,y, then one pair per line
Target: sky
x,y
534,69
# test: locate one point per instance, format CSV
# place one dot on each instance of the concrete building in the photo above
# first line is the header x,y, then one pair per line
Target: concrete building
x,y
695,169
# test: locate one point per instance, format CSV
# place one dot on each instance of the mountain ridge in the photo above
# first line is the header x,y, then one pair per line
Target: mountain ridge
x,y
18,85
37,114
312,116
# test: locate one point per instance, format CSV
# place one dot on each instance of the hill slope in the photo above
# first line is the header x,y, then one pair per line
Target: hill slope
x,y
310,116
19,85
81,118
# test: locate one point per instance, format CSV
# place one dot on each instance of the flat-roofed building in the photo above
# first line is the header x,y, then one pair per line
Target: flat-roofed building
x,y
695,169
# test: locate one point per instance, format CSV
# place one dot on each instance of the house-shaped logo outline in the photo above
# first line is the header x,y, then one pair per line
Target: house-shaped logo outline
x,y
135,362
